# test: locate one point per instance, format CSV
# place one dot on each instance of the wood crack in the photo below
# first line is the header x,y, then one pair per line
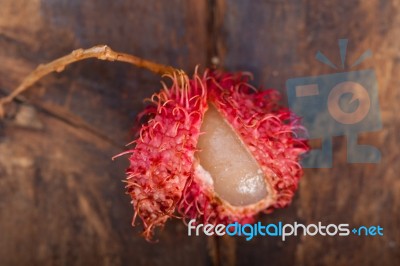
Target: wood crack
x,y
61,114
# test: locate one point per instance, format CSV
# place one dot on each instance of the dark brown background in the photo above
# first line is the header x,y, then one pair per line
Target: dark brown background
x,y
62,201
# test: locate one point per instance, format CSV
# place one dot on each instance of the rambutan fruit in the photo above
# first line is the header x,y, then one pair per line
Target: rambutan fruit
x,y
214,148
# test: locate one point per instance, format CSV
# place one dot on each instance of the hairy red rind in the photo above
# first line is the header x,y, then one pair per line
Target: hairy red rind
x,y
163,177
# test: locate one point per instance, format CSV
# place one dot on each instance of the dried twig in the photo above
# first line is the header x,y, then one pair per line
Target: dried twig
x,y
102,52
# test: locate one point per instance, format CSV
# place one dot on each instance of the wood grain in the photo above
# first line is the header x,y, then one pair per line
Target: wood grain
x,y
62,201
277,41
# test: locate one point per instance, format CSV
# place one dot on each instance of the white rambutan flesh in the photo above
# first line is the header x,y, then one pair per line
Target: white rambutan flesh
x,y
237,178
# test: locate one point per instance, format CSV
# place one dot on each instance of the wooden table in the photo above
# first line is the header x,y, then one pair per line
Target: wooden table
x,y
62,201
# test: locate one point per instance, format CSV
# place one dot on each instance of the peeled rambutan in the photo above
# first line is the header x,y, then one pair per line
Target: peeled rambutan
x,y
214,149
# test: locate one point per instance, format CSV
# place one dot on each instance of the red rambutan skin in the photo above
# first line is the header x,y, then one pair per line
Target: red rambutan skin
x,y
162,158
163,177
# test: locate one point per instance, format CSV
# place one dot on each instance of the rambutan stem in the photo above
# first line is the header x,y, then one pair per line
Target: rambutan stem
x,y
102,52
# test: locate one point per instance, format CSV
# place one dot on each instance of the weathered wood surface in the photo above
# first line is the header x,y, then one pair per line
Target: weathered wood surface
x,y
62,201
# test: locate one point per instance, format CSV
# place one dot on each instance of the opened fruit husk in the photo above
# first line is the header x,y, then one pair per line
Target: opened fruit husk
x,y
214,149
